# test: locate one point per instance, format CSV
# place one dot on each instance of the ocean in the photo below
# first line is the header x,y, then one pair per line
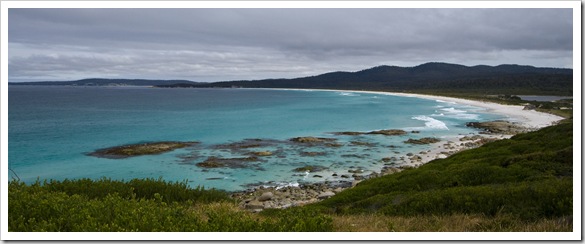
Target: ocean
x,y
51,130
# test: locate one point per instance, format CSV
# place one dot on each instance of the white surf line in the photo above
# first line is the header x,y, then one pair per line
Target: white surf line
x,y
515,113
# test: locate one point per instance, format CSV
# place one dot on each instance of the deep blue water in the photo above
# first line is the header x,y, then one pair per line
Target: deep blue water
x,y
51,129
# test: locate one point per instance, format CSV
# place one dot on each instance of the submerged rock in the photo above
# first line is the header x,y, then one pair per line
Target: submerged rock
x,y
310,168
247,143
215,162
348,133
310,139
361,143
388,132
140,149
313,154
261,154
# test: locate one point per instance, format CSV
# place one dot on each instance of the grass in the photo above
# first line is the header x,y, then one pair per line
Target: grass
x,y
447,223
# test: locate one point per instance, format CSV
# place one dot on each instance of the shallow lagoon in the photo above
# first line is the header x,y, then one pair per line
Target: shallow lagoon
x,y
52,129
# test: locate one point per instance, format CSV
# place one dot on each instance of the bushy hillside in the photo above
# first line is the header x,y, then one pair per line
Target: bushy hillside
x,y
529,176
429,77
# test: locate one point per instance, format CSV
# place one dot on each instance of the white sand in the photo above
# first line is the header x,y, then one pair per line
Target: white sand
x,y
515,113
527,118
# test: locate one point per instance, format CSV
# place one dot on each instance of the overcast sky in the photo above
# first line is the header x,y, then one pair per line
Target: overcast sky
x,y
233,44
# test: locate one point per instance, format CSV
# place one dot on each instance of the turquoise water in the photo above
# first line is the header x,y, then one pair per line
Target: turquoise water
x,y
51,129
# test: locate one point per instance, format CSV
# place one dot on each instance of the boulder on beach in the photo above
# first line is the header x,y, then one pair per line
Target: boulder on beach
x,y
498,127
326,194
266,196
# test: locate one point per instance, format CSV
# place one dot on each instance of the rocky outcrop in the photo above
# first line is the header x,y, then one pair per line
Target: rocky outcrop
x,y
425,140
391,132
310,139
498,127
388,132
140,149
316,141
258,198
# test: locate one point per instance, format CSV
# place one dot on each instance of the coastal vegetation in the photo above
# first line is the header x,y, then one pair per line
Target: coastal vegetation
x,y
524,183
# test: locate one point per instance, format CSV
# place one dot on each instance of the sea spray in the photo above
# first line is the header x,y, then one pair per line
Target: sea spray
x,y
431,123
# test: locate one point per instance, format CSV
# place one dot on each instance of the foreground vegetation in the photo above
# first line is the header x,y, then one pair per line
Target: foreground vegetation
x,y
141,205
520,184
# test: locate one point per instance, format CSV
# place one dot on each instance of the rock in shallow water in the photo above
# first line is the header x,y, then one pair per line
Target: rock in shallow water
x,y
132,150
425,140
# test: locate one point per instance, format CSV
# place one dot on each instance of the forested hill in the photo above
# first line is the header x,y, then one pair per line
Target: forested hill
x,y
106,82
511,79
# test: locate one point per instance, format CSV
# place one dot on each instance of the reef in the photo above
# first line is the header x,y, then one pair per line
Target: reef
x,y
310,168
391,132
132,150
216,162
425,140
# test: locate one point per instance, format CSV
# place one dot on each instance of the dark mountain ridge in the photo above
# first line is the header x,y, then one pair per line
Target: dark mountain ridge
x,y
428,77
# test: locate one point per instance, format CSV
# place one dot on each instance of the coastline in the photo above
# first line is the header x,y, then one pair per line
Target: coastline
x,y
260,198
528,118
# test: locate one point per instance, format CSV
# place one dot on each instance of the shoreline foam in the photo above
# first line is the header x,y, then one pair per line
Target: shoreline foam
x,y
530,119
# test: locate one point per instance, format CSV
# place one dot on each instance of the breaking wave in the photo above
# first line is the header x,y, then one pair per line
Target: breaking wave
x,y
431,123
456,114
350,94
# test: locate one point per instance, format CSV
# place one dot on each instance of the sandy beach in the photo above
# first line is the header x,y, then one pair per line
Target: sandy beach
x,y
261,198
515,113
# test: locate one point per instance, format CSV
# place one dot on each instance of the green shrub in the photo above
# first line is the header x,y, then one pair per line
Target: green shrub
x,y
528,176
78,206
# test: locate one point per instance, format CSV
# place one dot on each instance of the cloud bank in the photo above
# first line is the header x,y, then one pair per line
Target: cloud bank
x,y
234,44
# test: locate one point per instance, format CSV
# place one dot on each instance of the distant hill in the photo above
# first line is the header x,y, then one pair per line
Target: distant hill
x,y
429,77
105,82
443,77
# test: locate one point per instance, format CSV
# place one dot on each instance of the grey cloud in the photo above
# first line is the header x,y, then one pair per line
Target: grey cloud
x,y
216,44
